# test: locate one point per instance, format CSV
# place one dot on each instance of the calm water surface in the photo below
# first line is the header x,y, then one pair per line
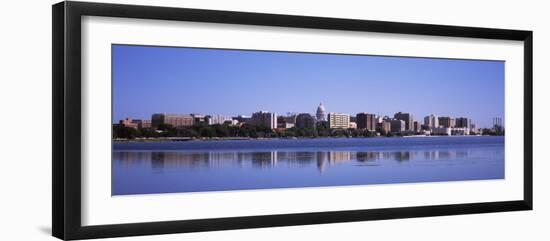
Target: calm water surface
x,y
196,166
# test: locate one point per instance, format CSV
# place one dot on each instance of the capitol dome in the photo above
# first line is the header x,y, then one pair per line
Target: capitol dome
x,y
321,115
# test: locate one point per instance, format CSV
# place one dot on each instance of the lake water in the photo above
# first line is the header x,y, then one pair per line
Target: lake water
x,y
197,166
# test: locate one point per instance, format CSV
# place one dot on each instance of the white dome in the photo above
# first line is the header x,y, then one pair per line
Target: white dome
x,y
321,108
321,115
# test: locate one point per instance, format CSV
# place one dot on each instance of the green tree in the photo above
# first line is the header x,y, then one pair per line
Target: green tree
x,y
120,131
206,131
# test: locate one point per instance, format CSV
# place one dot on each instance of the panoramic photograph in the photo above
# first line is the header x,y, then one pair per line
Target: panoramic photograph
x,y
202,120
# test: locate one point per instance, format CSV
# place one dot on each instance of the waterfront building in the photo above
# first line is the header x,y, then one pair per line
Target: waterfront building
x,y
172,119
143,123
285,122
321,113
199,118
460,131
366,121
448,122
441,131
431,121
281,123
463,122
218,119
383,127
305,121
264,118
128,122
425,127
352,125
407,117
473,129
290,118
397,126
242,119
416,126
284,125
338,120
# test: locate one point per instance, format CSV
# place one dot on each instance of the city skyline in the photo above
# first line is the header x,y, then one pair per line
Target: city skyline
x,y
149,80
419,119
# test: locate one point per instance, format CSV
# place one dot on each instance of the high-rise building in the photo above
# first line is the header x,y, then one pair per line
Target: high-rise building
x,y
383,127
498,126
463,122
431,121
416,126
338,120
497,123
447,122
366,121
305,120
172,119
398,126
321,114
407,117
264,118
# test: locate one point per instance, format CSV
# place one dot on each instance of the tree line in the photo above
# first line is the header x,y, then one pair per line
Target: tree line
x,y
224,130
247,131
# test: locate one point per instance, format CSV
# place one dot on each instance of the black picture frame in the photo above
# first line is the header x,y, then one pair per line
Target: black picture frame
x,y
66,75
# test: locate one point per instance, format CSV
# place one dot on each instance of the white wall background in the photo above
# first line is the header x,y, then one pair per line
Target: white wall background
x,y
25,114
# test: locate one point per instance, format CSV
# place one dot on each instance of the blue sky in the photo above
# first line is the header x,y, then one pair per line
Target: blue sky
x,y
148,80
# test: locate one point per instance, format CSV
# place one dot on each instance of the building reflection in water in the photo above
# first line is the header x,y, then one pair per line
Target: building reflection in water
x,y
268,159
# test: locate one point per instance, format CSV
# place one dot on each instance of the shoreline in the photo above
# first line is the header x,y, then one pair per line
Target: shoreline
x,y
185,139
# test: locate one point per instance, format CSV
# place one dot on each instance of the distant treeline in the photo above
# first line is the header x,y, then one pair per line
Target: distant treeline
x,y
246,131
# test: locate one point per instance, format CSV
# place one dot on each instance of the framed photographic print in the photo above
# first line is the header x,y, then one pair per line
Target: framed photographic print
x,y
170,120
